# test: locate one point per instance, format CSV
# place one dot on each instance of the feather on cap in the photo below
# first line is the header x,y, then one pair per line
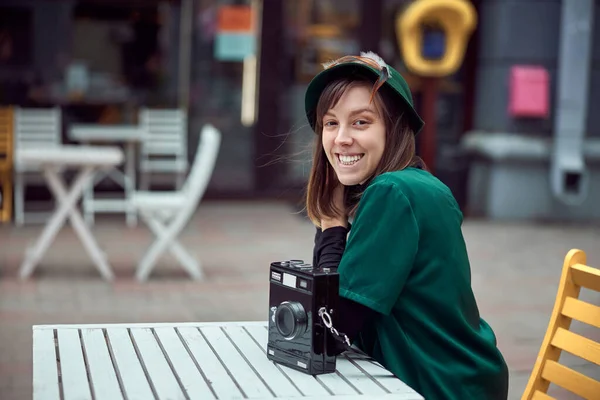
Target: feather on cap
x,y
369,54
375,57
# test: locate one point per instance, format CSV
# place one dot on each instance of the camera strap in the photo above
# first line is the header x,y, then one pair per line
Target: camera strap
x,y
340,337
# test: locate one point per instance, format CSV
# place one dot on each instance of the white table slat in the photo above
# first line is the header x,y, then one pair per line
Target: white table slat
x,y
307,384
278,382
191,361
335,384
250,383
361,382
159,371
388,396
383,376
183,364
138,325
102,372
128,366
216,374
45,371
72,366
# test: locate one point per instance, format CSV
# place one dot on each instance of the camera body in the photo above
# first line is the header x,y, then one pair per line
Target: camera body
x,y
298,337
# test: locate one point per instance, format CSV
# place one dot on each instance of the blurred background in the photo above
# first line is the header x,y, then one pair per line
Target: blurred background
x,y
511,130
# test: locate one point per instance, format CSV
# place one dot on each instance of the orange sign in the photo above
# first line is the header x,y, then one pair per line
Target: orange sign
x,y
235,19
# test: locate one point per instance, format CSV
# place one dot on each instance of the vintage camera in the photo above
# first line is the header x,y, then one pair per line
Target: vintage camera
x,y
298,335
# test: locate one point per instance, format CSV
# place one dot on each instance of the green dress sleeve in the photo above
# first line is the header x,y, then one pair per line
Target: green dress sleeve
x,y
381,248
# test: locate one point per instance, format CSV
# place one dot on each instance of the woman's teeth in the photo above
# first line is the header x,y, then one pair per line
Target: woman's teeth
x,y
349,160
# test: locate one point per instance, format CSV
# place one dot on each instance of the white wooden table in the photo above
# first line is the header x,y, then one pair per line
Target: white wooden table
x,y
189,361
87,160
130,136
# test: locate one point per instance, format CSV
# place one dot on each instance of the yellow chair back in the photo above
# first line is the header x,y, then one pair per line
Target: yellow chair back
x,y
547,369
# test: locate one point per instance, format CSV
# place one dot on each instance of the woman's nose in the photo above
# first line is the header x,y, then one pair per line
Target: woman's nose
x,y
343,137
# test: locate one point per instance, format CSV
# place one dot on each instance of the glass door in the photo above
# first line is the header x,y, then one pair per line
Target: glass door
x,y
315,32
223,86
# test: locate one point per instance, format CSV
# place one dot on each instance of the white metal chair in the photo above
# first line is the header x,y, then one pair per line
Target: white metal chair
x,y
164,149
33,128
167,213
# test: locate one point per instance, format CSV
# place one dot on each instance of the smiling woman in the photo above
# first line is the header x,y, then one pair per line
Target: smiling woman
x,y
355,119
353,133
405,280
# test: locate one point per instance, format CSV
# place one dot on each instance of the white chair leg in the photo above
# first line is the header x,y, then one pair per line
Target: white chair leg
x,y
130,183
130,218
179,180
61,194
67,207
165,239
149,260
144,180
19,199
189,263
88,204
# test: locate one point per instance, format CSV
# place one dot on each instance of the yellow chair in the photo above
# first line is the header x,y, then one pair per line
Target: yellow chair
x,y
568,307
6,163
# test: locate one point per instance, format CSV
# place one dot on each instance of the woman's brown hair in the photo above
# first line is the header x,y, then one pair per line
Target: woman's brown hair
x,y
398,154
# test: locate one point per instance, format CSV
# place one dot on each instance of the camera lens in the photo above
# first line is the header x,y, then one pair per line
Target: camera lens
x,y
290,319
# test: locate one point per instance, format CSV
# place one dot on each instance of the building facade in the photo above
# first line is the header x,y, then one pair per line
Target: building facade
x,y
545,165
243,65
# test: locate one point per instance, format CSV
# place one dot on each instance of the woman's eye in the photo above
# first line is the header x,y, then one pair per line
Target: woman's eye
x,y
361,122
329,123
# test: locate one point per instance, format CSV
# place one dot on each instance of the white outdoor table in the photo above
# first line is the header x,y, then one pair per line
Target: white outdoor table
x,y
87,160
225,360
130,136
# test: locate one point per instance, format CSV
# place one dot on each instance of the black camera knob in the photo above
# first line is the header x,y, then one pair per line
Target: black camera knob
x,y
291,319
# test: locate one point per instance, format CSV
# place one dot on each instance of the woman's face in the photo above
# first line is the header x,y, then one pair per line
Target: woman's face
x,y
354,136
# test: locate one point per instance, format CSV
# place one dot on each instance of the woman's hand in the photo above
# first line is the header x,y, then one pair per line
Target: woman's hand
x,y
341,219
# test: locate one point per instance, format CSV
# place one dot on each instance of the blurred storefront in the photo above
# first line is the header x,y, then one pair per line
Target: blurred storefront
x,y
318,31
242,65
534,146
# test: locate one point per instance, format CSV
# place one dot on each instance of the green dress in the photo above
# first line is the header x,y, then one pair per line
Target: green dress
x,y
406,259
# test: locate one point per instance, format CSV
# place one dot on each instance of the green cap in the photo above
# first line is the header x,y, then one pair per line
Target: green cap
x,y
369,64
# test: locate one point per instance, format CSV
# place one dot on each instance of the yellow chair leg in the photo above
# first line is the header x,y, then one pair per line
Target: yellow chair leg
x,y
3,201
6,210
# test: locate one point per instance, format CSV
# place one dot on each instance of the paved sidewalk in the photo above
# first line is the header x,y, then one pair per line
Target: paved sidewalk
x,y
516,268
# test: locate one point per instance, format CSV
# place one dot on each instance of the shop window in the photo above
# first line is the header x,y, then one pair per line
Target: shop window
x,y
15,36
118,43
320,31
